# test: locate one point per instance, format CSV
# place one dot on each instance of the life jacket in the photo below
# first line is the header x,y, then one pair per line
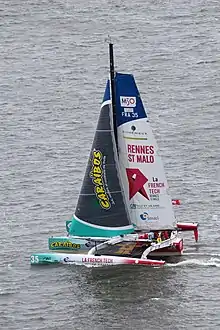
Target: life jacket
x,y
143,236
159,238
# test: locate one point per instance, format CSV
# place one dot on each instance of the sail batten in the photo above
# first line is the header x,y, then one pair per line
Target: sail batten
x,y
112,192
104,131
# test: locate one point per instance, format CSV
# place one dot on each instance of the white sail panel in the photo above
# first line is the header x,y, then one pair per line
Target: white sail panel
x,y
143,175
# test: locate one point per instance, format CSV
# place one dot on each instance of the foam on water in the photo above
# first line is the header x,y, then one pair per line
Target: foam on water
x,y
202,254
212,262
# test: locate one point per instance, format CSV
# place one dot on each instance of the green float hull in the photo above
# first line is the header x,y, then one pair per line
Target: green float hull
x,y
72,244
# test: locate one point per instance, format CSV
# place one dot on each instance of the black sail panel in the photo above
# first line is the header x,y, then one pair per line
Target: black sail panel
x,y
101,202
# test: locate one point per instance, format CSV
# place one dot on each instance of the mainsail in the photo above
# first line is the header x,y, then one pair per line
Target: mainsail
x,y
143,175
101,210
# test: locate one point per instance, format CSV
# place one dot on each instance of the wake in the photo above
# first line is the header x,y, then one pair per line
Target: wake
x,y
212,262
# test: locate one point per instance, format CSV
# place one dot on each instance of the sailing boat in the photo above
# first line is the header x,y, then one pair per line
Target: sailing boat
x,y
124,213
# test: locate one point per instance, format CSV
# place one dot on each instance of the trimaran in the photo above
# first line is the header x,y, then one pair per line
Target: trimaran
x,y
124,213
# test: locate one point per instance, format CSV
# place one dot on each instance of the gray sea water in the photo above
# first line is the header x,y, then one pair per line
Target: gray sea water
x,y
53,69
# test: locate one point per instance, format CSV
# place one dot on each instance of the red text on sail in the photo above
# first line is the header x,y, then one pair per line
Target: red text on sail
x,y
140,153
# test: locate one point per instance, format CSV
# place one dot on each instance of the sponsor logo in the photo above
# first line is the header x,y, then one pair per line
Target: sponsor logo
x,y
89,244
97,175
128,102
65,244
47,259
154,197
154,189
145,207
140,153
145,217
98,260
138,207
134,134
136,180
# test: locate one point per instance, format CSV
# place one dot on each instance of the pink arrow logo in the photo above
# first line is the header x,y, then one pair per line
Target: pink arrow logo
x,y
136,181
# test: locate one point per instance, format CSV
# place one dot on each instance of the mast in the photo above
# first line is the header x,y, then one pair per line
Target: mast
x,y
112,89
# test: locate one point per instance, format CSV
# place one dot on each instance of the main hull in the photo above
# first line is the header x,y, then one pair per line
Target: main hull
x,y
85,259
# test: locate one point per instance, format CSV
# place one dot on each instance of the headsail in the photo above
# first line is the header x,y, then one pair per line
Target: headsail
x,y
141,166
101,210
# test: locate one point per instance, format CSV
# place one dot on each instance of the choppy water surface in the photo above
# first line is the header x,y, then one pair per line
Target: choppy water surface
x,y
53,68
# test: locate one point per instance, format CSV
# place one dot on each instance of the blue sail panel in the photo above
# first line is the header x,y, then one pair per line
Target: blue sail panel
x,y
128,101
107,96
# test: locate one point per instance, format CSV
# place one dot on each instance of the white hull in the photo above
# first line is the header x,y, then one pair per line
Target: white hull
x,y
84,259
